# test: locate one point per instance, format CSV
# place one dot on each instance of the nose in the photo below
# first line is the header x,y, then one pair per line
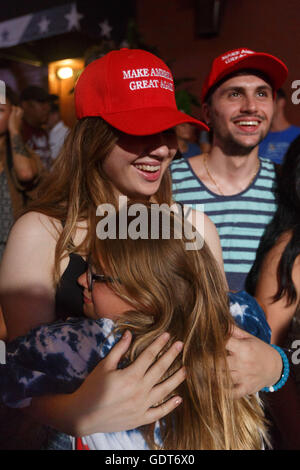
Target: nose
x,y
249,104
82,280
158,145
161,151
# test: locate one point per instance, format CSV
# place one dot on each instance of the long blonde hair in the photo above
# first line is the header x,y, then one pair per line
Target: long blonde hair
x,y
77,184
182,292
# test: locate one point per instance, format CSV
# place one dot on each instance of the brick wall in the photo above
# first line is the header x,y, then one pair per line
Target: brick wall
x,y
264,25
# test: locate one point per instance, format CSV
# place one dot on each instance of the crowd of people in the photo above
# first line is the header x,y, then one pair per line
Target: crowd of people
x,y
32,134
117,342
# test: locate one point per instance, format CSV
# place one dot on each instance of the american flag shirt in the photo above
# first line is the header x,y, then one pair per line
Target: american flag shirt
x,y
57,357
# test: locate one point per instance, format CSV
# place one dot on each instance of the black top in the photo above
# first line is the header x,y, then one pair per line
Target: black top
x,y
68,298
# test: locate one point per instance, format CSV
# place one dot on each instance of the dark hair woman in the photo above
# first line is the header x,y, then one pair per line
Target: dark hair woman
x,y
275,282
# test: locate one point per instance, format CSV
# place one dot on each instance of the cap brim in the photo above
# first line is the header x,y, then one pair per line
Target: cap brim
x,y
149,121
274,68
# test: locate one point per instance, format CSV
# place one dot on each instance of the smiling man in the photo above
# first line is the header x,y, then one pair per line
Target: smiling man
x,y
232,182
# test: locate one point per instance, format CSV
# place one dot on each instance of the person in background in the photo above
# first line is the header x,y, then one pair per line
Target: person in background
x,y
20,169
19,166
185,139
281,134
35,102
232,183
274,280
57,130
205,140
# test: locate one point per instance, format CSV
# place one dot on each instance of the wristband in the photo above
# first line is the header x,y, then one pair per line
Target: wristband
x,y
285,371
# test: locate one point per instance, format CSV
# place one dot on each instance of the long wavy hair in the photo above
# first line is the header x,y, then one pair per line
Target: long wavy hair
x,y
285,220
182,291
77,184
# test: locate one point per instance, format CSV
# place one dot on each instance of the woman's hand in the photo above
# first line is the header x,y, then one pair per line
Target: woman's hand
x,y
112,399
253,364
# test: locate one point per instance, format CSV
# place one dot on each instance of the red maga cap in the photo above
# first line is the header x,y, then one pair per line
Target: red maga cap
x,y
239,59
133,91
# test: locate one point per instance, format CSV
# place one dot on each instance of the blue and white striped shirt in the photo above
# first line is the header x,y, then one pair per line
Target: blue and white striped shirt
x,y
240,219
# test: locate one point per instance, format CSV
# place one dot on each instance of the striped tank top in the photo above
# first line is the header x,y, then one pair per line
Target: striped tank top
x,y
240,219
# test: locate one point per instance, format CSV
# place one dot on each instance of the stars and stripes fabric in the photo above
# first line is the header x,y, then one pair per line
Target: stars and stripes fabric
x,y
108,22
40,25
240,219
57,357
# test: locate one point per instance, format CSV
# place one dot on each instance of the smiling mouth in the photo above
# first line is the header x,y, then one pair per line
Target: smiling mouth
x,y
148,168
247,123
248,126
148,171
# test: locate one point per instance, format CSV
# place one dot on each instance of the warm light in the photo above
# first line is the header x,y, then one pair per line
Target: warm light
x,y
64,72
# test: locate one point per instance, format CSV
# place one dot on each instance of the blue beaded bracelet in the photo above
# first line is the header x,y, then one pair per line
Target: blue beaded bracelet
x,y
285,371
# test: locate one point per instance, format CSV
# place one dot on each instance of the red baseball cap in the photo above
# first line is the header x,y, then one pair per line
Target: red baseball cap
x,y
239,59
131,89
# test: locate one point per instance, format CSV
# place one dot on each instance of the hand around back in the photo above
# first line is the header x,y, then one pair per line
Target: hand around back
x,y
253,364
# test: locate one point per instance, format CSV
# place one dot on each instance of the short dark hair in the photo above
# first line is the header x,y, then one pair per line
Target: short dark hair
x,y
235,74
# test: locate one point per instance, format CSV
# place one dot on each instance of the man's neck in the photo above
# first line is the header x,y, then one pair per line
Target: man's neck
x,y
224,174
227,166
